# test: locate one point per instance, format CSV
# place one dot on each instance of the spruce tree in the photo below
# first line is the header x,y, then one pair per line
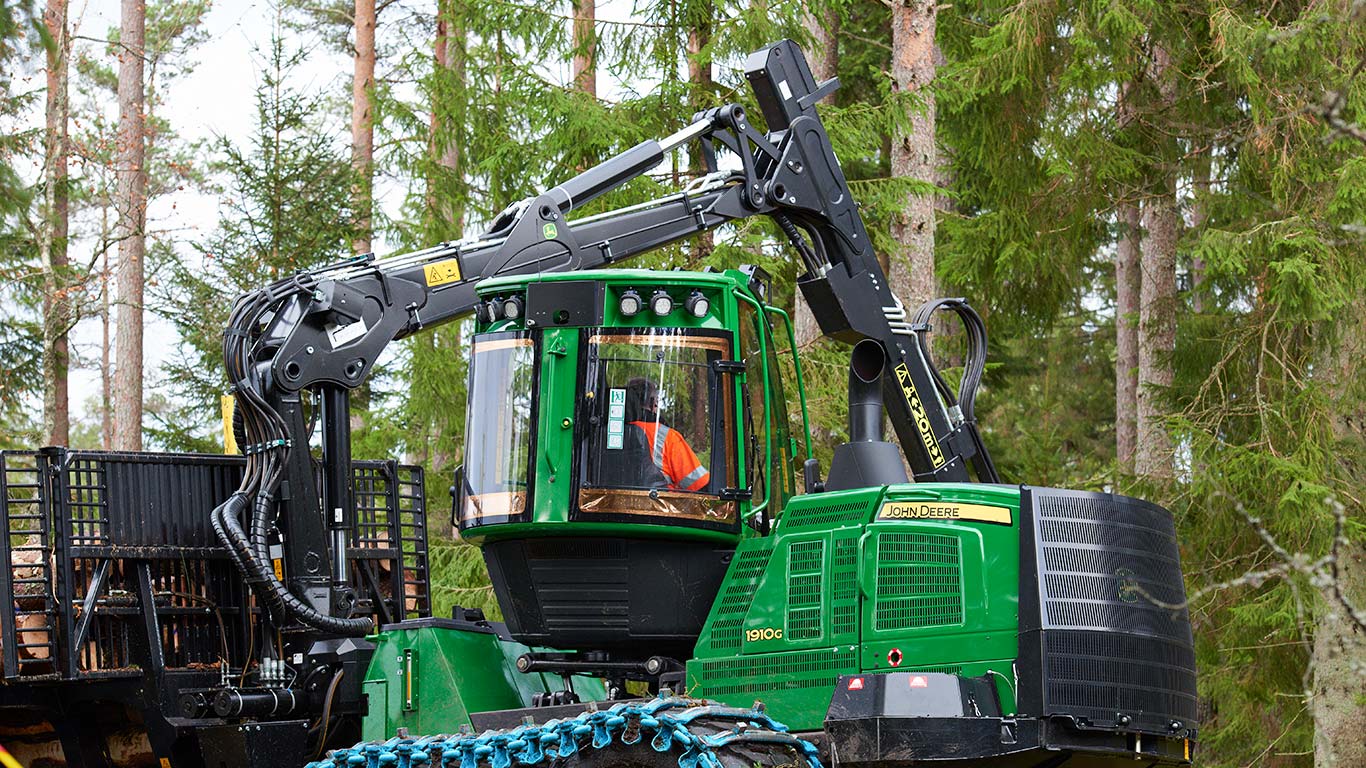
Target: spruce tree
x,y
285,206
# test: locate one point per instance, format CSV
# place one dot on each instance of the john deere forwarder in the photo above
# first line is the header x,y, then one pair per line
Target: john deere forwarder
x,y
953,620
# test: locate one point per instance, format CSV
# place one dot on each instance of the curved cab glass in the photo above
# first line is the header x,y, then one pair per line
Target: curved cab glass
x,y
500,432
660,440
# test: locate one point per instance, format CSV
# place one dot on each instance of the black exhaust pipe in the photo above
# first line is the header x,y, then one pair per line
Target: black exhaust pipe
x,y
867,460
866,364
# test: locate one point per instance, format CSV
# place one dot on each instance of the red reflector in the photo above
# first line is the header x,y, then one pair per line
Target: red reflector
x,y
920,681
856,684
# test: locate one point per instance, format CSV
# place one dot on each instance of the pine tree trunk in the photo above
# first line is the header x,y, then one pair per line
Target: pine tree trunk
x,y
1339,653
448,113
914,155
1127,288
56,301
824,59
106,366
1153,451
584,69
700,78
131,230
362,121
1339,659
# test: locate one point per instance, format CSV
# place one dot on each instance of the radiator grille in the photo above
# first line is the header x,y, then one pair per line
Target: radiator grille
x,y
805,584
820,516
919,581
777,671
734,603
844,585
1102,616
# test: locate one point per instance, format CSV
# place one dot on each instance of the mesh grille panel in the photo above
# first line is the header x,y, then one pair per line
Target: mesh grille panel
x,y
800,669
746,572
844,586
1106,646
848,512
805,577
919,581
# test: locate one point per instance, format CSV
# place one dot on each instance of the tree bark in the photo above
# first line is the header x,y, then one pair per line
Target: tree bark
x,y
1127,292
1153,454
362,122
56,301
700,77
823,24
1339,660
448,113
914,155
131,229
1339,652
1153,450
106,367
584,68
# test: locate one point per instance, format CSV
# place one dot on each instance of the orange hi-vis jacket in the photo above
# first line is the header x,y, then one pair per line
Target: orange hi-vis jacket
x,y
674,457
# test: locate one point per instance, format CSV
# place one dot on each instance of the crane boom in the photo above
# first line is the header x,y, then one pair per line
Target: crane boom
x,y
323,330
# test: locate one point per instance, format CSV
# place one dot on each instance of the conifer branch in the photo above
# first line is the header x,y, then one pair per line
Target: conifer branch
x,y
1332,109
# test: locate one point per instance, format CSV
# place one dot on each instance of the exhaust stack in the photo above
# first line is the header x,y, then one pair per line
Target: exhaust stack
x,y
866,460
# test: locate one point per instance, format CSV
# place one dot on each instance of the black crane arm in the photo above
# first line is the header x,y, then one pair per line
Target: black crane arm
x,y
322,330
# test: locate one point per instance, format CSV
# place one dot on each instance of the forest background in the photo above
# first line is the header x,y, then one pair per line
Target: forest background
x,y
1158,206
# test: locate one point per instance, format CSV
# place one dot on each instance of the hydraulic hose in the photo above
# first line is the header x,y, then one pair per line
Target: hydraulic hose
x,y
267,449
974,365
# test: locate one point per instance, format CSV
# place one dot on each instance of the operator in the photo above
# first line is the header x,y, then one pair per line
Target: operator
x,y
669,450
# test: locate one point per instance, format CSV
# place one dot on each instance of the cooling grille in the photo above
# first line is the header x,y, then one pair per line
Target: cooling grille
x,y
919,581
825,515
805,585
734,602
1102,616
777,671
844,585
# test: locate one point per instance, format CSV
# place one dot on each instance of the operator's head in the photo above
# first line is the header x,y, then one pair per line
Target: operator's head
x,y
642,399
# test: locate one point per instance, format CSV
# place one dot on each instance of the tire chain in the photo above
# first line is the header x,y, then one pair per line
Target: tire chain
x,y
667,723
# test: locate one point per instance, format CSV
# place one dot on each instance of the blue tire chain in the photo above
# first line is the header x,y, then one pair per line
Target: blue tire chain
x,y
664,723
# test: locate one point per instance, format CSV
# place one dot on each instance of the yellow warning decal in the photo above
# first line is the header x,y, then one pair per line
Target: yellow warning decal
x,y
939,510
279,569
442,272
922,419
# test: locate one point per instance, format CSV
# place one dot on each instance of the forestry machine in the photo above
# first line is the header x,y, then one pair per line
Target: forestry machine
x,y
677,586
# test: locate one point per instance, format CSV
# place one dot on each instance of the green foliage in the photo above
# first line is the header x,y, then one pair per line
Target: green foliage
x,y
1031,113
20,337
285,206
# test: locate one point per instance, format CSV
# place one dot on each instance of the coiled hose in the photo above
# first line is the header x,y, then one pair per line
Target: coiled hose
x,y
255,498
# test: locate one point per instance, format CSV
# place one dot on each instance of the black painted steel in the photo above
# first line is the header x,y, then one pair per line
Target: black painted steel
x,y
1105,637
603,594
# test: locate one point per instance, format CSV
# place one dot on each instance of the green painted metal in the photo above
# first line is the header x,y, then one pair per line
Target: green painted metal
x,y
429,679
797,367
558,383
835,591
